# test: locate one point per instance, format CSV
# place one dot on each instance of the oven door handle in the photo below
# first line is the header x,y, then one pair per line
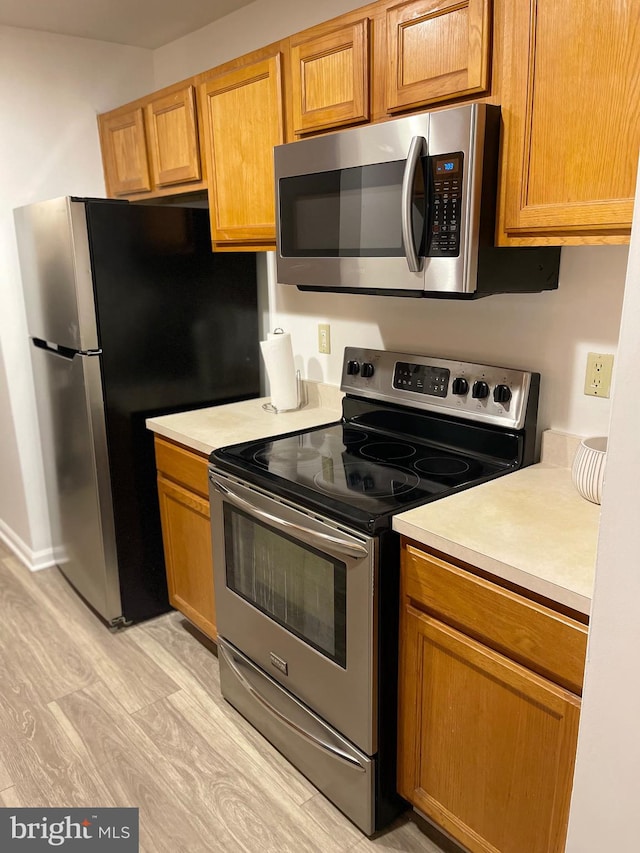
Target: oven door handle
x,y
312,537
314,738
416,150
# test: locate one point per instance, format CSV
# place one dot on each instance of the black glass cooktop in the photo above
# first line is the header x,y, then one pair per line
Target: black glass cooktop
x,y
357,474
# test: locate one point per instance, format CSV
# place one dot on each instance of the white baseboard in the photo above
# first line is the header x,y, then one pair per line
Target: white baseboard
x,y
33,560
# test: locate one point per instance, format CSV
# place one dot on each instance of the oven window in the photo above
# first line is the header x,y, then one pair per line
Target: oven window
x,y
347,213
301,588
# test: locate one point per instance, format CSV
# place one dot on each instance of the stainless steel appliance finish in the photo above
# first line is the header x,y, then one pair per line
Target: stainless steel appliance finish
x,y
306,562
340,692
404,207
315,748
387,384
72,423
129,315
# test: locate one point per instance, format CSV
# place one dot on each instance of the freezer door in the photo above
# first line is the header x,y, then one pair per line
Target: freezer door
x,y
56,273
72,426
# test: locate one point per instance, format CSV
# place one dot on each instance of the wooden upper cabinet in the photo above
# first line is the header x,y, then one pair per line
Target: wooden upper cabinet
x,y
437,50
124,152
151,147
330,78
173,138
243,119
571,108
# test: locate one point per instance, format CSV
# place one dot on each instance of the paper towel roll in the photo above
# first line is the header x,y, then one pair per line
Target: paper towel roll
x,y
278,361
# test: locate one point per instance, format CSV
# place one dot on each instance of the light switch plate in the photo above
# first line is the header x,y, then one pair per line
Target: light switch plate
x,y
324,338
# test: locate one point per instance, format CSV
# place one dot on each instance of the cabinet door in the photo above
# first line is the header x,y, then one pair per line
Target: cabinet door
x,y
330,78
173,138
438,50
572,117
186,534
243,121
486,747
124,152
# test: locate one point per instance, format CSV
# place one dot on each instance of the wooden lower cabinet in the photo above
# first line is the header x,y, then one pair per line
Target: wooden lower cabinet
x,y
186,533
486,744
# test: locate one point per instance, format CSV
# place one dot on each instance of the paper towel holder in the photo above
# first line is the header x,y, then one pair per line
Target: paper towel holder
x,y
269,407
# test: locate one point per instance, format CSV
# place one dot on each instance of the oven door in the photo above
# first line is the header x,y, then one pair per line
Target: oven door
x,y
296,594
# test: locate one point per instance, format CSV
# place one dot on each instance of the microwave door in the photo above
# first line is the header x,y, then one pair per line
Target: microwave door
x,y
341,224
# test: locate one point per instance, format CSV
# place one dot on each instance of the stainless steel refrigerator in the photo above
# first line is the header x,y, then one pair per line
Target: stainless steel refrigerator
x,y
130,315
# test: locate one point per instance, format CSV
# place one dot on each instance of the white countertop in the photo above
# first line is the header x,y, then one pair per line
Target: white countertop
x,y
204,430
530,527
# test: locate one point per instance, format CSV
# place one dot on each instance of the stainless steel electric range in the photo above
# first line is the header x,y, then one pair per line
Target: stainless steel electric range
x,y
307,564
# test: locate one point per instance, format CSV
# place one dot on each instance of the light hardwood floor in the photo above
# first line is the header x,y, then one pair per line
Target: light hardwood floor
x,y
91,718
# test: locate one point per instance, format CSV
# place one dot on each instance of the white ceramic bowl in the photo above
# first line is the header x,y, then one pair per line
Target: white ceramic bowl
x,y
587,471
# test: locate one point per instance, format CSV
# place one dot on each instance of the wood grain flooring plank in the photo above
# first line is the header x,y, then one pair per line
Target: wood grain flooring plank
x,y
195,669
257,814
5,777
47,658
10,800
136,772
44,765
110,657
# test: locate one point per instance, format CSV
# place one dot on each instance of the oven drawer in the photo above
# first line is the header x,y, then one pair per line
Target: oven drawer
x,y
329,761
546,641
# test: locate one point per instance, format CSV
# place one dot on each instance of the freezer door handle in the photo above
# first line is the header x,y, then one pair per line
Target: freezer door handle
x,y
320,738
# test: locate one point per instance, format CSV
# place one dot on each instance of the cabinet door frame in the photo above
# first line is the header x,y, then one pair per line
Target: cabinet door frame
x,y
256,235
123,142
574,221
470,79
182,100
317,51
172,493
418,630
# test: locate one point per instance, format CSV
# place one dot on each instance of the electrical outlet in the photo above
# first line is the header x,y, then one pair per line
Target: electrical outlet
x,y
597,381
324,338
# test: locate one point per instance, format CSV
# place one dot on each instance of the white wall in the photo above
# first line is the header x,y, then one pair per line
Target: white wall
x,y
605,797
51,89
547,332
249,28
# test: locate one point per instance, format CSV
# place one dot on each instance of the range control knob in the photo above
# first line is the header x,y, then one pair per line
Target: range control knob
x,y
502,393
367,369
480,390
353,368
459,386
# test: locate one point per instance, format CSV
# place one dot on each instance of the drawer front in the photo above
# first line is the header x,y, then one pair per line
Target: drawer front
x,y
548,642
183,466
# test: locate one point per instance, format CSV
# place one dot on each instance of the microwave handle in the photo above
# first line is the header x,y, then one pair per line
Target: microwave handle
x,y
417,148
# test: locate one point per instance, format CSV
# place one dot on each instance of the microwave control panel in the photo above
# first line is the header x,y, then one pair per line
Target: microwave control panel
x,y
446,180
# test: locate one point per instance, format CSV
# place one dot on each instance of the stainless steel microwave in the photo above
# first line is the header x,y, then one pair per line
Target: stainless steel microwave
x,y
405,207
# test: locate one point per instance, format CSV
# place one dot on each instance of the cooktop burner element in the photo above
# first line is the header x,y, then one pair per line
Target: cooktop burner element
x,y
387,451
402,440
366,481
442,467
